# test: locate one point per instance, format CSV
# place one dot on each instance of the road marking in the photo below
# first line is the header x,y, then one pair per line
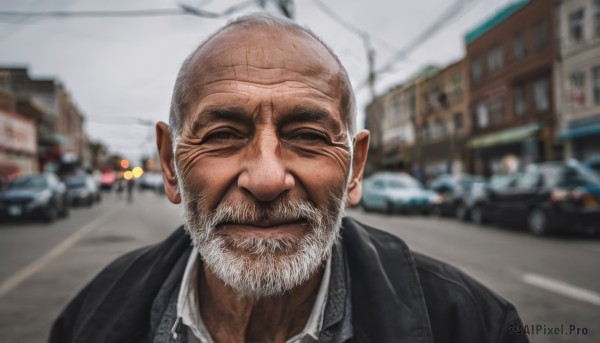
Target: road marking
x,y
563,288
25,272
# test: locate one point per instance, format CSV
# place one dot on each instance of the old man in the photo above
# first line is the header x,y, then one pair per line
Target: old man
x,y
263,154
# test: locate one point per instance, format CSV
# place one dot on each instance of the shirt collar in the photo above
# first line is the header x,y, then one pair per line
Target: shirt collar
x,y
188,310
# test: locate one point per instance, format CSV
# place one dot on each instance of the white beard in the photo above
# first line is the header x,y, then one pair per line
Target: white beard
x,y
264,266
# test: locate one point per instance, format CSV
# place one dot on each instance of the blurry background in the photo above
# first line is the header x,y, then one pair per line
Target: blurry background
x,y
484,110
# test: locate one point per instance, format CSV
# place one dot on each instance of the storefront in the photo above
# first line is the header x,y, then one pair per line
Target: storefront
x,y
18,147
582,138
489,152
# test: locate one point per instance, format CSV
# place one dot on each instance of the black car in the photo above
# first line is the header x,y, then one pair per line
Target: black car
x,y
593,163
83,190
456,194
35,196
547,198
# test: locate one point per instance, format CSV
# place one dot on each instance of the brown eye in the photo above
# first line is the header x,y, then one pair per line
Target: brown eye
x,y
221,136
309,136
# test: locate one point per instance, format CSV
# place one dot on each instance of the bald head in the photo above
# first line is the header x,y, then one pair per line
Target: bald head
x,y
215,57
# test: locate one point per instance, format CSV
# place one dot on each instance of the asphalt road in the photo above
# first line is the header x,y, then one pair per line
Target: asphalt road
x,y
552,281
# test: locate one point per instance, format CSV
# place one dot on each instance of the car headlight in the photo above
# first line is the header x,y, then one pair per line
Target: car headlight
x,y
42,197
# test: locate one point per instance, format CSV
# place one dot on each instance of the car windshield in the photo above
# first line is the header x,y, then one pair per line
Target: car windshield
x,y
75,182
499,182
568,176
403,182
29,182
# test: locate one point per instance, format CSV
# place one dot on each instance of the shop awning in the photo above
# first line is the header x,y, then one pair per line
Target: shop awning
x,y
504,137
581,131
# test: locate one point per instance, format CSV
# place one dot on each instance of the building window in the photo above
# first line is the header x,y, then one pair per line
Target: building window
x,y
496,109
482,115
495,58
457,87
519,47
397,105
458,122
539,34
520,105
412,103
576,25
437,129
425,131
577,88
597,17
476,69
597,85
540,95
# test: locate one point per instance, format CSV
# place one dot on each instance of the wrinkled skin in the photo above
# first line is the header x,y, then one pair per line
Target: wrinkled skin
x,y
264,122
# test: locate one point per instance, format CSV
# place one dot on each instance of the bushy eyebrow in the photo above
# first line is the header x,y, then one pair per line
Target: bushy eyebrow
x,y
227,113
301,114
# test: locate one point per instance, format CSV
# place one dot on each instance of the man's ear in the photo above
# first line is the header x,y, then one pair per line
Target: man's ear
x,y
361,149
167,162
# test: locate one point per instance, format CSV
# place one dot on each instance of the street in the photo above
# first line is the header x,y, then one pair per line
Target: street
x,y
552,281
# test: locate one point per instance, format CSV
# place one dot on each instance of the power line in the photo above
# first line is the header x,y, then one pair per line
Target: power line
x,y
364,35
442,20
159,12
92,14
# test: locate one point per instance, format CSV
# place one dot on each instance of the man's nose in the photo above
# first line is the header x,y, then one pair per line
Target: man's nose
x,y
265,174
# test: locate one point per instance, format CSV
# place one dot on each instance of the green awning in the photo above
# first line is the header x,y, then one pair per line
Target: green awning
x,y
581,131
494,21
504,137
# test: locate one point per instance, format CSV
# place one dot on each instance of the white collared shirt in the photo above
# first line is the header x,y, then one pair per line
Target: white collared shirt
x,y
196,332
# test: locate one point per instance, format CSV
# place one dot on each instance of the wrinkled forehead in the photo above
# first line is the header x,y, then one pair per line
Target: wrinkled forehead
x,y
267,54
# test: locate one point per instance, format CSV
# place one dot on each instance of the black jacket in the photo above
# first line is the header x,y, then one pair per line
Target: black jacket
x,y
397,296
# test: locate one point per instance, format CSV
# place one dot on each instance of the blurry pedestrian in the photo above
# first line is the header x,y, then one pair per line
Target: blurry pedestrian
x,y
120,188
130,184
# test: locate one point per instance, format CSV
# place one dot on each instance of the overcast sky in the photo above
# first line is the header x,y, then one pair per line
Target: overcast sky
x,y
118,69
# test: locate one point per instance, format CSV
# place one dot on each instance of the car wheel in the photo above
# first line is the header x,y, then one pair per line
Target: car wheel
x,y
50,214
389,208
477,216
364,206
462,212
64,212
537,222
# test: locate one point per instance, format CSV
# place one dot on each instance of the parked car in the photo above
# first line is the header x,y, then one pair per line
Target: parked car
x,y
39,195
152,181
395,192
593,163
108,180
83,190
547,198
456,194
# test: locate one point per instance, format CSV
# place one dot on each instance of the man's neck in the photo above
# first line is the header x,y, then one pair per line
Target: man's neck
x,y
231,318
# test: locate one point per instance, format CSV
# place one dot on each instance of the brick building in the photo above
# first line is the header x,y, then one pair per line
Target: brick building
x,y
510,61
442,121
59,122
18,140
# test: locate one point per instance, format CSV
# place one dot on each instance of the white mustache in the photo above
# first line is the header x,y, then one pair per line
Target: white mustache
x,y
249,213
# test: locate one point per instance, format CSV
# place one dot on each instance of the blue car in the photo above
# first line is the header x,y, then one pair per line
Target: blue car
x,y
396,192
